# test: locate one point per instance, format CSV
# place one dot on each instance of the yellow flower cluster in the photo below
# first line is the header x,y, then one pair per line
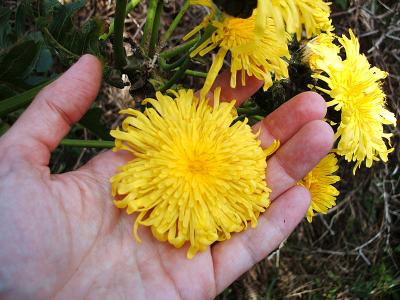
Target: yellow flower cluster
x,y
356,90
258,45
292,15
197,175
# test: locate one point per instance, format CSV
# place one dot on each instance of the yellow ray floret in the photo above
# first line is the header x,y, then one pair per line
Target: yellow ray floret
x,y
322,53
256,48
356,90
320,183
291,15
198,176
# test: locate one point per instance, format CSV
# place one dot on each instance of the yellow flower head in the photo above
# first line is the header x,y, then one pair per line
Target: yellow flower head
x,y
320,183
356,90
322,52
197,175
256,48
291,15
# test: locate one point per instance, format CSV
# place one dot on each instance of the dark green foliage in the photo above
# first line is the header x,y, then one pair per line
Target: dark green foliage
x,y
344,4
19,54
237,8
42,32
92,121
65,39
283,90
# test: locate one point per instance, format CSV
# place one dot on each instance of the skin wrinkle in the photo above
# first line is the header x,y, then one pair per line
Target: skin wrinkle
x,y
214,277
170,279
82,192
58,111
284,168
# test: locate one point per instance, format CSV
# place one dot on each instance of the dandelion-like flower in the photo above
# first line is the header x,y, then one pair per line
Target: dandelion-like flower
x,y
322,53
197,175
320,183
356,91
291,15
256,47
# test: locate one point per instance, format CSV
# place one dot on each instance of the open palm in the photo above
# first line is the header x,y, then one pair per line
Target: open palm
x,y
61,237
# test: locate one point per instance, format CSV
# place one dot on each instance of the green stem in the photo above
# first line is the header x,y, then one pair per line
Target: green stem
x,y
177,76
131,6
87,143
148,27
21,100
181,71
196,73
119,24
175,23
247,111
179,49
168,67
258,118
156,28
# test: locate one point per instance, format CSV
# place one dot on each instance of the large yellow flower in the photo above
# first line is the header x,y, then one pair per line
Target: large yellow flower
x,y
256,48
320,183
356,91
198,176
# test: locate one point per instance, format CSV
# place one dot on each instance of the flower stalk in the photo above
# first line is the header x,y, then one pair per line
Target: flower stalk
x,y
175,23
131,5
155,29
148,27
119,24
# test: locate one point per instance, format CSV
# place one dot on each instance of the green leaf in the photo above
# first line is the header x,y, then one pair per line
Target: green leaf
x,y
45,61
61,23
21,100
5,28
92,121
19,60
69,41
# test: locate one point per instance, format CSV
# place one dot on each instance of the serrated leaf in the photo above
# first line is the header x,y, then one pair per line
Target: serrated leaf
x,y
92,121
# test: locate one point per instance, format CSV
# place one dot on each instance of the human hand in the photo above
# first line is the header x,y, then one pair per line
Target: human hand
x,y
62,237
